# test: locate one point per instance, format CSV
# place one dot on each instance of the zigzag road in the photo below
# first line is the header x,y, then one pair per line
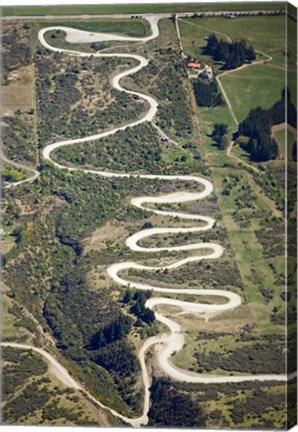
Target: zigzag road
x,y
173,341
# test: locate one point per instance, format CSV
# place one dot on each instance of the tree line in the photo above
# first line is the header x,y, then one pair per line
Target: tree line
x,y
254,132
172,407
232,54
207,93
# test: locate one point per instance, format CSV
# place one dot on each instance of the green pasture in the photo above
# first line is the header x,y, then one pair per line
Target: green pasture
x,y
258,85
126,26
282,139
266,33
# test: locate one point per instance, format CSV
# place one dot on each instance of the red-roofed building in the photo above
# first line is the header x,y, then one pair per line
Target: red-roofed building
x,y
192,65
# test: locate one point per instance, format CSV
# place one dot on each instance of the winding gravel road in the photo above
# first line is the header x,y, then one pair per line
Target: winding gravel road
x,y
173,341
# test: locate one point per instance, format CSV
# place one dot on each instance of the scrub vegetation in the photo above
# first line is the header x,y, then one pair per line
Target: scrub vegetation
x,y
68,226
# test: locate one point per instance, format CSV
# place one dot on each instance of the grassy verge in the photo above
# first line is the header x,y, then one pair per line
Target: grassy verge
x,y
134,8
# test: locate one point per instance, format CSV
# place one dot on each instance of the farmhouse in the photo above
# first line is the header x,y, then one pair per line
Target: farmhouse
x,y
193,65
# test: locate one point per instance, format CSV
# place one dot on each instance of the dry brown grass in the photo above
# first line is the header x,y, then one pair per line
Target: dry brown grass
x,y
18,94
111,233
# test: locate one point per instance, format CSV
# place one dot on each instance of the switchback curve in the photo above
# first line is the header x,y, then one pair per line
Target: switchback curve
x,y
173,341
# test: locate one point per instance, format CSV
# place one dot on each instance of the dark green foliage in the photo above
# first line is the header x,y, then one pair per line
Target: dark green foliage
x,y
28,402
127,296
17,135
140,310
219,129
53,412
96,46
257,120
75,313
62,112
257,126
232,54
91,330
240,399
117,357
131,150
277,113
270,235
257,358
115,331
204,273
25,364
165,79
294,151
257,404
99,382
207,93
16,53
21,240
263,148
174,111
219,135
173,408
56,95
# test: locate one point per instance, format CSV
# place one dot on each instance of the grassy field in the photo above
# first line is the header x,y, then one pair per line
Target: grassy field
x,y
18,94
281,139
257,271
7,243
257,85
135,8
252,87
265,33
133,28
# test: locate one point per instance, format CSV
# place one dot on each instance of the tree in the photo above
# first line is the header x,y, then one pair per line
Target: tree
x,y
256,120
11,175
212,45
173,408
147,225
232,54
254,132
219,135
294,151
224,143
140,310
111,333
127,296
250,54
219,129
207,93
264,148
